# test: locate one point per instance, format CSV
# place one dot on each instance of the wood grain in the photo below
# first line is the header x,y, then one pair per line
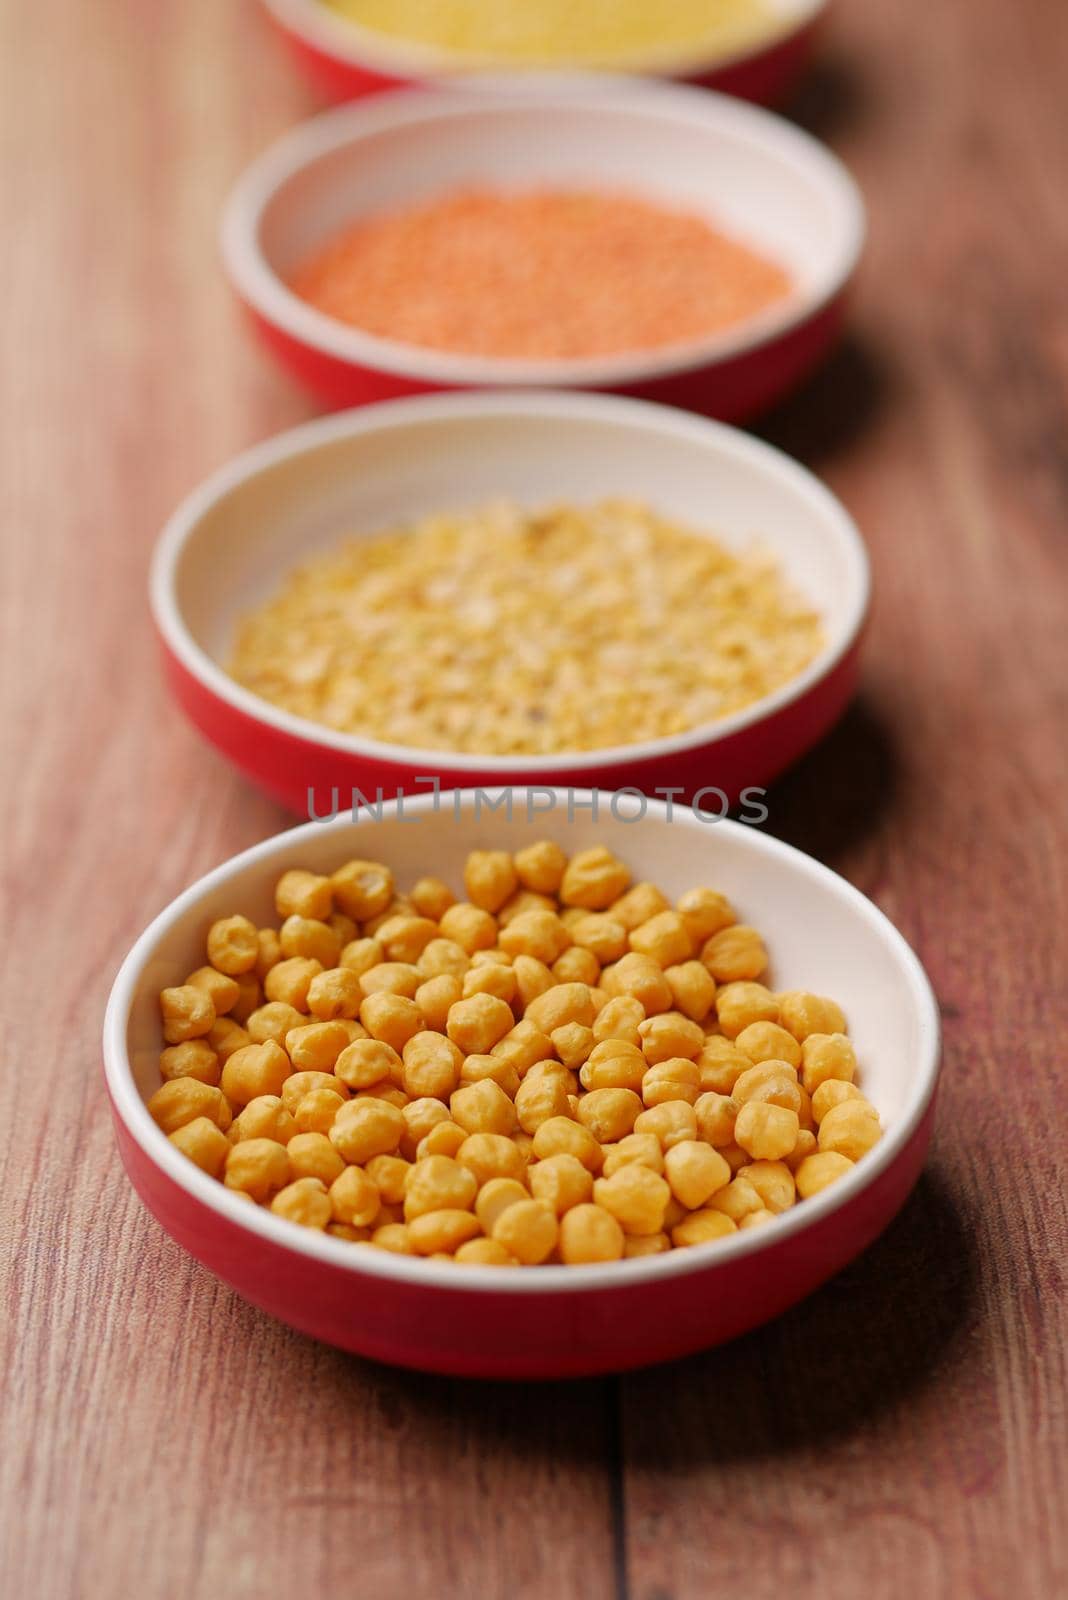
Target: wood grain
x,y
903,1431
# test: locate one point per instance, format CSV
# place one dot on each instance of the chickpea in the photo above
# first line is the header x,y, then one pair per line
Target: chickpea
x,y
387,1092
564,1004
193,1059
274,1021
620,1019
540,934
490,977
430,1066
431,898
346,929
589,1233
221,990
705,913
434,998
301,937
716,1114
489,878
650,1244
720,1065
233,945
735,955
561,1181
825,1056
255,1070
573,1043
636,1196
420,1115
609,1114
640,1148
204,1144
802,1014
249,997
773,1081
266,1117
676,1079
342,1230
311,1155
639,978
305,1202
740,1004
806,1146
671,1122
258,1167
443,958
470,926
302,1083
602,936
702,1227
695,1172
773,1182
187,1013
832,1092
391,1019
476,1068
522,1046
367,1128
367,1062
576,966
392,1236
270,952
362,889
484,1253
303,894
476,1025
766,1041
639,905
757,1219
532,979
693,989
819,1171
670,1035
444,1230
593,879
360,955
495,1197
438,1183
390,977
614,1064
315,1046
226,1037
558,1136
482,1108
737,1200
290,981
404,938
734,1156
335,993
528,1230
490,1155
663,938
768,1132
444,1139
850,1129
540,1098
540,867
317,1111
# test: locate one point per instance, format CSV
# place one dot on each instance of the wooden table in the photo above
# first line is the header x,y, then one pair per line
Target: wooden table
x,y
902,1433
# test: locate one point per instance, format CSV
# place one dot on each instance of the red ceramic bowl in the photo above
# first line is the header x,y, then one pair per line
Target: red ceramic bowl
x,y
551,1321
232,542
757,176
345,59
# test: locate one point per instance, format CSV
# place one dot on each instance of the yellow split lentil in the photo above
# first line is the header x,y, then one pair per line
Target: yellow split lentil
x,y
624,34
508,632
502,1133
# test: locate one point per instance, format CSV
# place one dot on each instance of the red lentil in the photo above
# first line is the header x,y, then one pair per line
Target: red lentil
x,y
540,275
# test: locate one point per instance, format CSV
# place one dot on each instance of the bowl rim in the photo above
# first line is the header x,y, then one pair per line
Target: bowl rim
x,y
565,407
257,283
590,1278
356,45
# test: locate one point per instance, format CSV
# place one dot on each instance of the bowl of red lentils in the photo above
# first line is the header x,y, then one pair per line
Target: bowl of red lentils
x,y
601,235
752,48
543,588
516,1090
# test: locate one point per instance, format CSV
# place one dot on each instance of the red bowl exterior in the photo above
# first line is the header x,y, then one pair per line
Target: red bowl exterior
x,y
490,1335
764,77
287,767
729,391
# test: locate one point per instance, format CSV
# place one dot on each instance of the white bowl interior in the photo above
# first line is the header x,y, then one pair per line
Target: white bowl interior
x,y
748,172
822,935
360,474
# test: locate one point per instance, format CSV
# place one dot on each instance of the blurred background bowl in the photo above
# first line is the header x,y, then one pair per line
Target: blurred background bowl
x,y
229,547
755,176
549,1321
345,59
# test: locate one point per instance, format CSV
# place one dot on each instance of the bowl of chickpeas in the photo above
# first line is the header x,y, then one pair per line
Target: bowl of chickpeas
x,y
522,1091
527,589
752,48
